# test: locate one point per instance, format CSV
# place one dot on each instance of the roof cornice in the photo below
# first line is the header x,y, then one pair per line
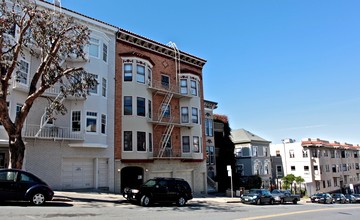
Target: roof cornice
x,y
159,48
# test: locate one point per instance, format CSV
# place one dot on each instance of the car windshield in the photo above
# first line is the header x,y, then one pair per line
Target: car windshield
x,y
252,191
319,194
150,183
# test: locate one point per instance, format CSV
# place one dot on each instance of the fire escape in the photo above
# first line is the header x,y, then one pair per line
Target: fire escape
x,y
169,93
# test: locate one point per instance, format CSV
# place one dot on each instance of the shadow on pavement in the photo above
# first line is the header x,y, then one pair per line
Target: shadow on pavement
x,y
28,204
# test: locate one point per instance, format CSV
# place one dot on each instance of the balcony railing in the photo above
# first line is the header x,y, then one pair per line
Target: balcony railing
x,y
163,87
52,132
170,153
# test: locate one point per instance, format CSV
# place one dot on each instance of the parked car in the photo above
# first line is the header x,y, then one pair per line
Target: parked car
x,y
350,198
258,196
283,196
339,197
322,198
21,185
357,197
160,190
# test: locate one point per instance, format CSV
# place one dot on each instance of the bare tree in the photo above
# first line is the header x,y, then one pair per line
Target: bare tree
x,y
51,37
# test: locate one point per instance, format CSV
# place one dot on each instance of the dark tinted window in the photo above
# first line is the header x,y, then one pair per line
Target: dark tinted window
x,y
26,178
8,176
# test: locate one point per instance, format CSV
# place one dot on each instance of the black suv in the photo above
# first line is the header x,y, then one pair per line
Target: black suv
x,y
258,196
160,190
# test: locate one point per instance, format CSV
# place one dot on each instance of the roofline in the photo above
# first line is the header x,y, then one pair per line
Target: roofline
x,y
165,50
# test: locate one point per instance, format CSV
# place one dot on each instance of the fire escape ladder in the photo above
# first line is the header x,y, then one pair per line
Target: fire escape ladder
x,y
165,139
45,117
165,104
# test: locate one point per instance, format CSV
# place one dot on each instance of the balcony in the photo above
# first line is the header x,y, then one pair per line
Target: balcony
x,y
170,153
158,86
51,133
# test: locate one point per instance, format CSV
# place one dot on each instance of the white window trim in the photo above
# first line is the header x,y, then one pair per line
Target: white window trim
x,y
92,117
27,74
98,44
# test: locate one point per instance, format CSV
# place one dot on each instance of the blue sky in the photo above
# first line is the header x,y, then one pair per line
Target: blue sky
x,y
280,69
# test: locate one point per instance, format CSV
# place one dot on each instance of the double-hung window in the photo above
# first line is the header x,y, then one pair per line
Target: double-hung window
x,y
140,74
103,86
103,124
186,144
127,105
23,72
196,144
141,141
208,127
94,47
195,115
128,72
94,89
184,115
140,106
149,109
128,141
165,81
76,121
183,86
150,143
193,88
105,52
165,109
91,121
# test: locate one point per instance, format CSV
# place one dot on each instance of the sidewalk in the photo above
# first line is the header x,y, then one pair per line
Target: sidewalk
x,y
68,196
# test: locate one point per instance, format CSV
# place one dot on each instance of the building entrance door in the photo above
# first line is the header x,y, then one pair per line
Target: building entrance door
x,y
131,177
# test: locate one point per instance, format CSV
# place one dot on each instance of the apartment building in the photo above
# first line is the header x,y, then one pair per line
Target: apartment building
x,y
209,107
77,149
159,114
326,166
252,155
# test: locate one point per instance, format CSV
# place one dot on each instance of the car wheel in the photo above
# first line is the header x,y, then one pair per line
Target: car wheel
x,y
37,198
145,200
181,201
295,201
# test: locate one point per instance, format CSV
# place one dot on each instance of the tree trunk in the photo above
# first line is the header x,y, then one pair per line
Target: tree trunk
x,y
16,151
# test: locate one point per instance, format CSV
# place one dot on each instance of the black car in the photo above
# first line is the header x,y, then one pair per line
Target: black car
x,y
21,185
357,197
322,198
339,198
159,190
258,196
350,198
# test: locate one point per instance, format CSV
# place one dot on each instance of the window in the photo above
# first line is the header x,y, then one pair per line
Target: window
x,y
75,121
278,169
150,143
128,72
94,89
18,108
194,114
266,168
265,151
91,118
210,154
94,47
335,181
306,168
103,91
165,109
332,153
141,141
329,183
141,106
184,115
105,52
183,86
255,151
127,140
292,168
186,144
305,153
209,127
316,168
240,169
324,185
149,109
165,81
127,105
292,154
193,88
23,72
317,185
314,153
196,144
238,152
256,169
103,124
140,74
278,153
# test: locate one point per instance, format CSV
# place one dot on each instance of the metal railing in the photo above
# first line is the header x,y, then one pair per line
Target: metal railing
x,y
52,132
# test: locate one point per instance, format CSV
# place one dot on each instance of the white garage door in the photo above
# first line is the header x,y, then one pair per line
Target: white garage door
x,y
186,175
77,173
103,173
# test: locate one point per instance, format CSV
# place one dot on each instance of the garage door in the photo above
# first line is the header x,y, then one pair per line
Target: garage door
x,y
159,174
77,173
103,173
186,175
